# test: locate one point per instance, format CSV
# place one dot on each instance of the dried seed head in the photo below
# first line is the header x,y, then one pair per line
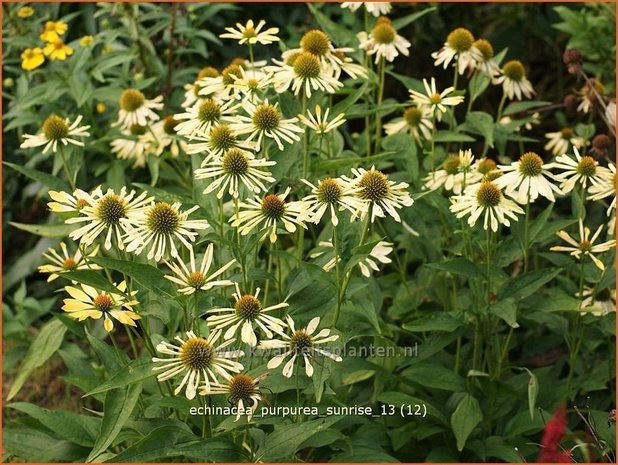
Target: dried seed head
x,y
601,142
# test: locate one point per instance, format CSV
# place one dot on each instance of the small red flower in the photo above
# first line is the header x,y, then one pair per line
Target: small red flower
x,y
552,435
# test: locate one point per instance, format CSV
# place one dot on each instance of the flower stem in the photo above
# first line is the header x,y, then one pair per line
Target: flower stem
x,y
67,169
526,232
269,268
501,107
378,133
348,276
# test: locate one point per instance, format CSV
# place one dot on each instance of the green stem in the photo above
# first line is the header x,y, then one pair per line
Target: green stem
x,y
67,169
526,232
337,276
501,107
432,160
131,340
378,132
269,268
348,276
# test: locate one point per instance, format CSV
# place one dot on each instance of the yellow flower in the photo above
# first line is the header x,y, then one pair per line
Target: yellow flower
x,y
57,50
86,40
53,30
25,12
101,107
32,58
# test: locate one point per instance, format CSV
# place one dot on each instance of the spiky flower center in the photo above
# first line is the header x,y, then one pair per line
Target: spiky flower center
x,y
248,307
307,66
412,116
530,164
196,279
291,59
329,191
487,165
131,100
209,111
460,40
55,128
69,264
435,98
492,175
222,138
566,133
137,130
162,219
451,165
207,72
316,42
235,162
196,354
110,209
587,166
241,387
384,33
81,203
249,33
239,61
169,123
301,342
585,246
103,303
514,70
485,47
273,207
266,117
374,186
488,195
253,84
231,73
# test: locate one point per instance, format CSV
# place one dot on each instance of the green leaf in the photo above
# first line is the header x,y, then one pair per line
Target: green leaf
x,y
108,356
137,371
400,23
91,278
47,342
435,321
465,418
147,275
533,392
526,284
517,107
459,266
172,442
46,230
48,180
117,409
506,310
478,83
351,99
348,162
452,136
482,123
283,442
434,376
78,429
162,194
